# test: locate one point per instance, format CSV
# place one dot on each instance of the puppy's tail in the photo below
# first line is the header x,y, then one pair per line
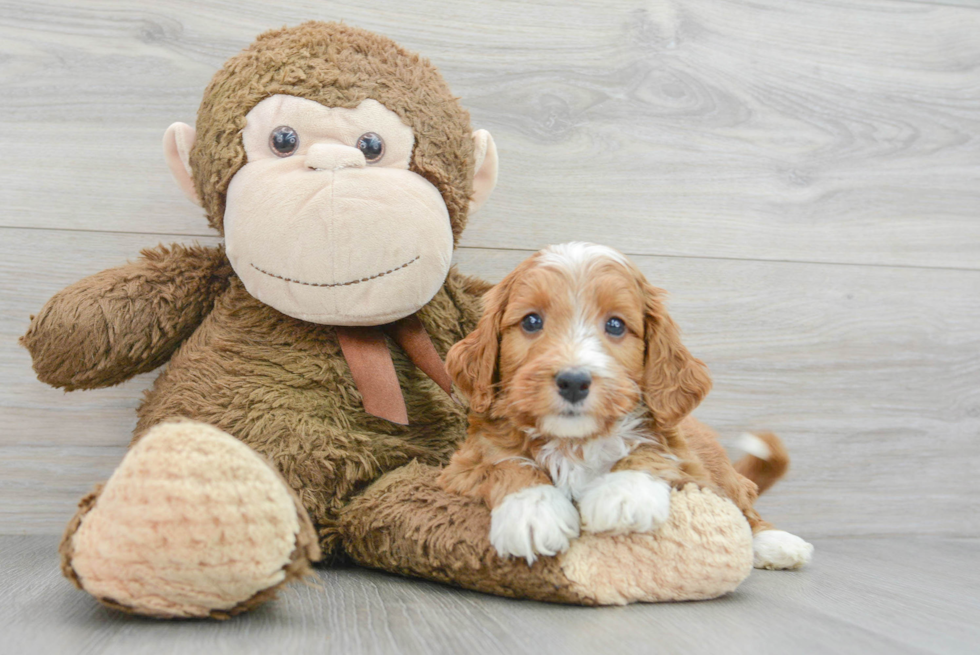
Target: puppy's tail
x,y
765,461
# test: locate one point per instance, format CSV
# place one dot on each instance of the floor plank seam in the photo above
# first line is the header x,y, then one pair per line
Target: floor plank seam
x,y
529,251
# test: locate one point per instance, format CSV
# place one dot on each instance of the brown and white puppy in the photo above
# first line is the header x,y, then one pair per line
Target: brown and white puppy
x,y
580,393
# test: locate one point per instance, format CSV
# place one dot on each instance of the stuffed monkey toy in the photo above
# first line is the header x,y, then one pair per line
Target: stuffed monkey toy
x,y
304,407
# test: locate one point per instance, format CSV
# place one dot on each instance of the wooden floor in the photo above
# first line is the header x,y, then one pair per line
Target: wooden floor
x,y
862,595
802,175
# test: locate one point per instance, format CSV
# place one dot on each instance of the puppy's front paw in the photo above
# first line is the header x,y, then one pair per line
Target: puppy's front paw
x,y
779,550
534,521
625,501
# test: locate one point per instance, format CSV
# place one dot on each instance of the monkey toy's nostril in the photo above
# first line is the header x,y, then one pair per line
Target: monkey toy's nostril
x,y
333,157
573,385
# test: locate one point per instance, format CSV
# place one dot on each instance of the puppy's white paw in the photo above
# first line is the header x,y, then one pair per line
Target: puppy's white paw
x,y
534,521
777,549
625,501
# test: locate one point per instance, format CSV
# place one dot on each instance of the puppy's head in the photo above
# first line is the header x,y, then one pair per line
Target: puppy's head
x,y
573,340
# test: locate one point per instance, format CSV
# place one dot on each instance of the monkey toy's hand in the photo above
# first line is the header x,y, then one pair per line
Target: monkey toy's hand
x,y
106,328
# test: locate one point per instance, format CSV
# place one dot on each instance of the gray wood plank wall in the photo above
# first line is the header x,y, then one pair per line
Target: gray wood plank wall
x,y
801,175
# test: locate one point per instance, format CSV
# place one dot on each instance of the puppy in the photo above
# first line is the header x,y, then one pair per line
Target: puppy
x,y
580,392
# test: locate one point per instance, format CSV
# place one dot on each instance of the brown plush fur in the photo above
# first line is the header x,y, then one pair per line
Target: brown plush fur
x,y
337,66
105,329
407,524
279,384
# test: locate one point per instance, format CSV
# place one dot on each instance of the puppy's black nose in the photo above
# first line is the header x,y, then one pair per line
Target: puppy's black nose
x,y
573,384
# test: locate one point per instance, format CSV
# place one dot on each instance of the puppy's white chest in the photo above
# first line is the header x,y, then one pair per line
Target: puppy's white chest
x,y
573,469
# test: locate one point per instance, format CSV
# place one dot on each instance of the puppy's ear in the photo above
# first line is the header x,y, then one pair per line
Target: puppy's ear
x,y
674,381
472,362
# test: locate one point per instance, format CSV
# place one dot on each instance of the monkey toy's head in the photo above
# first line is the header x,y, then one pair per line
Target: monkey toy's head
x,y
340,169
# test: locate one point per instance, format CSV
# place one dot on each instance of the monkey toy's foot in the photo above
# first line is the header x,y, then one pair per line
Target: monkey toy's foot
x,y
193,523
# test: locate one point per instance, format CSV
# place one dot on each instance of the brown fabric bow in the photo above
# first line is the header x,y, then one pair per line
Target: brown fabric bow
x,y
373,371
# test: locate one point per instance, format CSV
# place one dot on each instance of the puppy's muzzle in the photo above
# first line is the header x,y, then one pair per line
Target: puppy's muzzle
x,y
573,384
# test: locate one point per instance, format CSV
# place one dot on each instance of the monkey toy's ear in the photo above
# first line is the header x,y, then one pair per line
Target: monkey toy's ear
x,y
177,144
484,169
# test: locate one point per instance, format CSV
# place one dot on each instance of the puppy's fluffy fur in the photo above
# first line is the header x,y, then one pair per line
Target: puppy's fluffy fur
x,y
619,438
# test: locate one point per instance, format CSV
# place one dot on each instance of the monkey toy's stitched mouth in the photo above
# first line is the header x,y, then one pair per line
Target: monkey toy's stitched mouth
x,y
337,284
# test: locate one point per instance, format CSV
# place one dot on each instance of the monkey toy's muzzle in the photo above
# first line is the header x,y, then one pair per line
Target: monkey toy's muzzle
x,y
337,245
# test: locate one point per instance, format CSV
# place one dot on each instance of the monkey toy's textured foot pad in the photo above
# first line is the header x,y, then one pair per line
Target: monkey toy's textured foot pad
x,y
405,523
193,523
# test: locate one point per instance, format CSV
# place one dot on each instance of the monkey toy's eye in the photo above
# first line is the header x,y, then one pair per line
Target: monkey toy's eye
x,y
373,147
283,141
615,327
532,323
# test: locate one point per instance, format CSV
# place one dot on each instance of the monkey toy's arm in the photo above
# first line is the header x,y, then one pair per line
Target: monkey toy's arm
x,y
106,328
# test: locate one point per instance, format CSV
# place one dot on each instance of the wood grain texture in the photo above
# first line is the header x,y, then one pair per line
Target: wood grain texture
x,y
785,129
863,596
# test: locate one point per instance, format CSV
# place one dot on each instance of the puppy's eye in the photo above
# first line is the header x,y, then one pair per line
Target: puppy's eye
x,y
283,141
615,327
532,323
373,147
